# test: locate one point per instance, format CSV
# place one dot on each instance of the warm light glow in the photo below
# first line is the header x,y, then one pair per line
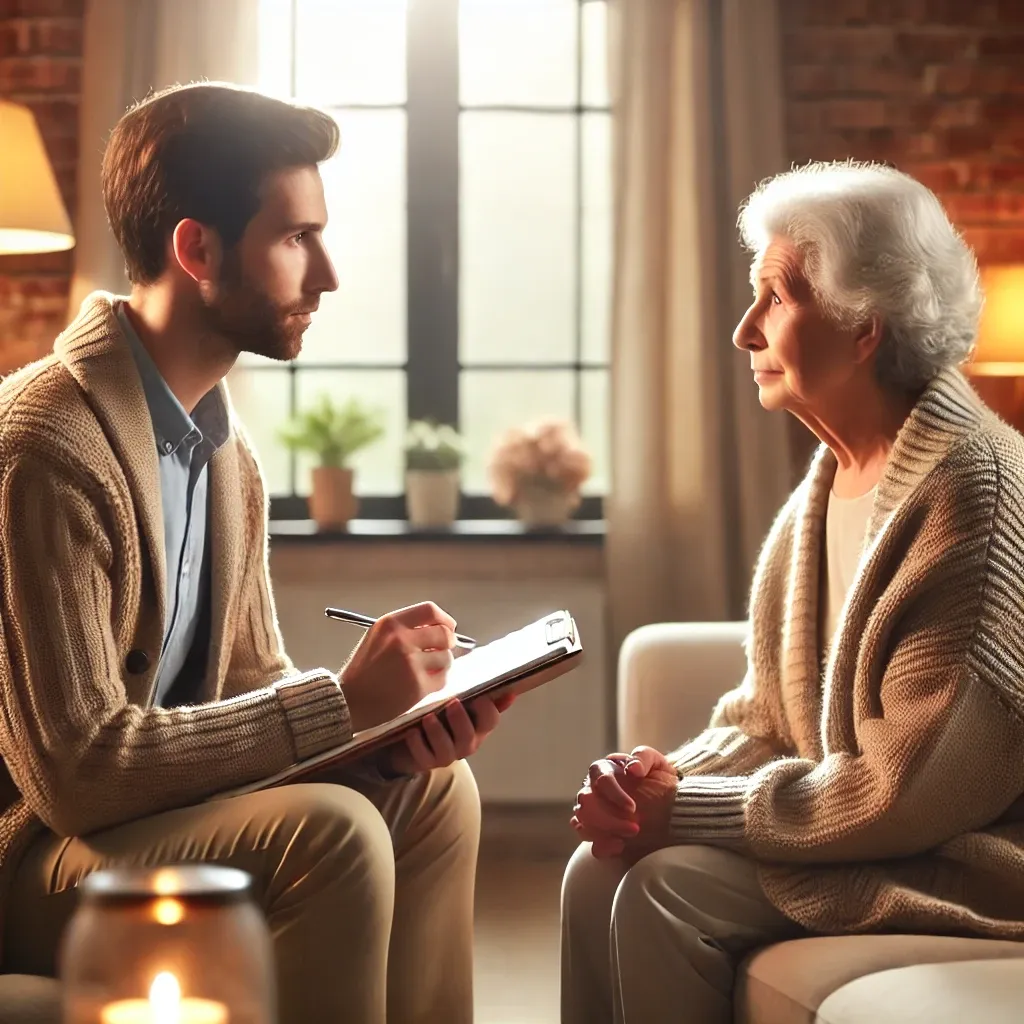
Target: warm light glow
x,y
165,882
1000,347
165,999
165,1006
168,911
32,213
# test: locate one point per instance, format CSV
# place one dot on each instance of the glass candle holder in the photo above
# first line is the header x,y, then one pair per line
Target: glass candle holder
x,y
173,945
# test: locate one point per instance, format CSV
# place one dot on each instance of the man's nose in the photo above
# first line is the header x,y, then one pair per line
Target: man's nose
x,y
324,277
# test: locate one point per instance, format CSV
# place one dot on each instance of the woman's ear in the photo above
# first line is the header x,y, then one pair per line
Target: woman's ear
x,y
868,338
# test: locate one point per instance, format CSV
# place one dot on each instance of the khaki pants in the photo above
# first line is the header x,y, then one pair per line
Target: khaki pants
x,y
661,940
369,897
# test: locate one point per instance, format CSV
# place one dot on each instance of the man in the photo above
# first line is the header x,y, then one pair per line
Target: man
x,y
142,669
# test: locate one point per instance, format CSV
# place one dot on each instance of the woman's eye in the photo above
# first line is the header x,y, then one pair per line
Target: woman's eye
x,y
776,301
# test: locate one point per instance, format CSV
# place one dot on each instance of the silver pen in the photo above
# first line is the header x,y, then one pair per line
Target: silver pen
x,y
341,615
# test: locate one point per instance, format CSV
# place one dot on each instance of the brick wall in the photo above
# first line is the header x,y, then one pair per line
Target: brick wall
x,y
935,87
40,66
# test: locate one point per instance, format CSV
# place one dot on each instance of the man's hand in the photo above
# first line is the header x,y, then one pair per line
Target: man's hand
x,y
404,656
625,805
432,745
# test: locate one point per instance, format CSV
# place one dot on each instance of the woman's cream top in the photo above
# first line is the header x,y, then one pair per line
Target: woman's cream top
x,y
846,524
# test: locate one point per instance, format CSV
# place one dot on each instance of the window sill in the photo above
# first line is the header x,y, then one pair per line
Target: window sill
x,y
466,531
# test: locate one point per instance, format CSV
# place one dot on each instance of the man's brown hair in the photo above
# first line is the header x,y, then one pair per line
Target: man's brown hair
x,y
201,151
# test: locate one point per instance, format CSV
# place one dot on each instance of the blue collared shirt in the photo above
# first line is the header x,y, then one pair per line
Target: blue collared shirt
x,y
184,446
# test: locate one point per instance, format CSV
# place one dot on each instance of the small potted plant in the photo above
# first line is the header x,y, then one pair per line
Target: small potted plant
x,y
538,471
333,434
433,456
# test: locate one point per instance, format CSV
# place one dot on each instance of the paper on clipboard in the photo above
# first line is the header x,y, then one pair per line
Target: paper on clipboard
x,y
520,661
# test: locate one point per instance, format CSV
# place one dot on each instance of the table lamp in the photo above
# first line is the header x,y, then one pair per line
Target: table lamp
x,y
996,368
32,214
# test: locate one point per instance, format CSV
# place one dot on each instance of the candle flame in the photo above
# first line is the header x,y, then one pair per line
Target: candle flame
x,y
165,998
168,911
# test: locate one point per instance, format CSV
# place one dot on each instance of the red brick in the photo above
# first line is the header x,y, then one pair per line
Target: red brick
x,y
985,208
848,45
811,80
980,13
39,74
939,177
11,41
36,264
974,79
875,80
993,174
1010,12
1006,44
55,37
962,142
821,81
859,113
996,245
855,13
804,118
57,118
42,8
932,47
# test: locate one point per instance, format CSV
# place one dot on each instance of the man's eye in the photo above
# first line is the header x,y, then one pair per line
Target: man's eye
x,y
299,237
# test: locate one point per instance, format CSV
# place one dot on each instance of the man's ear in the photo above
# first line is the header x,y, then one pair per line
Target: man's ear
x,y
868,338
197,249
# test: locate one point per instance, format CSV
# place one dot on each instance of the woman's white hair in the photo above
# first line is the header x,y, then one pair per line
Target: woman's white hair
x,y
875,242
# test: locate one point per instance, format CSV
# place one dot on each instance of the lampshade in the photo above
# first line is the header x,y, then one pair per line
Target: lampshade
x,y
999,351
32,214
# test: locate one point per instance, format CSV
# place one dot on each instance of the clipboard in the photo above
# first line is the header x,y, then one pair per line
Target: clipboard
x,y
521,661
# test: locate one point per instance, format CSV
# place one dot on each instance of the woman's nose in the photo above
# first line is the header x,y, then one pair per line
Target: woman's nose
x,y
748,337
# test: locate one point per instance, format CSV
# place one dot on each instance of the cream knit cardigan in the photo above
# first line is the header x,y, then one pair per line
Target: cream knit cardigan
x,y
881,791
82,585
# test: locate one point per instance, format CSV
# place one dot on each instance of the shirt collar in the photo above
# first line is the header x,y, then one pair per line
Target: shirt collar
x,y
172,425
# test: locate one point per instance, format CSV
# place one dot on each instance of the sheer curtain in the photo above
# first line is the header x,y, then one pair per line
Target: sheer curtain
x,y
698,468
131,47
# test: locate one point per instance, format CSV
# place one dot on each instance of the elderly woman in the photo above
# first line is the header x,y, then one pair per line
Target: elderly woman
x,y
865,775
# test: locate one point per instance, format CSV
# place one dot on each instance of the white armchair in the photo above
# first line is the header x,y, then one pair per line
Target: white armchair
x,y
670,677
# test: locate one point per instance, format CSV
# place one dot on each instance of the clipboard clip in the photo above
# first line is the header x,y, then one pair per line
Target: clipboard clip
x,y
559,628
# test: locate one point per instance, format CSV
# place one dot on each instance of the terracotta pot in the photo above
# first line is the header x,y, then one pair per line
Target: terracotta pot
x,y
432,496
332,503
545,506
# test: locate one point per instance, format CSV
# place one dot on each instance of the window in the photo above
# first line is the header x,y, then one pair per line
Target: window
x,y
470,224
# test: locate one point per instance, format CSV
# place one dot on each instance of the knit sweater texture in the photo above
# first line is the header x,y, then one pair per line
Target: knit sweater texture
x,y
82,586
880,789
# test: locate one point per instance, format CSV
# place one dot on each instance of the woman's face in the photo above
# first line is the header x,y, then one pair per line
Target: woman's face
x,y
800,359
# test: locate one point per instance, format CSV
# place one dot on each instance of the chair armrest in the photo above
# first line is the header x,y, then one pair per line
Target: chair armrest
x,y
670,678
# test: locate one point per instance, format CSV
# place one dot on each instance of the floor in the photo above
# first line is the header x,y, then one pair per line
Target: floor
x,y
517,939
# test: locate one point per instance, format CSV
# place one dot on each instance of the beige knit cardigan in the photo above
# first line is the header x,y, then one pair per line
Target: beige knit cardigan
x,y
82,575
882,791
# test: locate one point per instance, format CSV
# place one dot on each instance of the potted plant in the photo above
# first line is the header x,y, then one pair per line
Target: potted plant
x,y
433,455
538,471
333,434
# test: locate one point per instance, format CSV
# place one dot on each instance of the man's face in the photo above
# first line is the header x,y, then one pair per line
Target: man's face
x,y
272,280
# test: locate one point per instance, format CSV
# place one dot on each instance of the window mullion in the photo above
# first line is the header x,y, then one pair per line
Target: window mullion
x,y
432,175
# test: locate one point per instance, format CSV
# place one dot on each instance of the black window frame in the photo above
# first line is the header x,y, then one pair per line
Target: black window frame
x,y
432,368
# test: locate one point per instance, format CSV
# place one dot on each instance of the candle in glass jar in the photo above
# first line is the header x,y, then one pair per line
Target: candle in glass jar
x,y
165,1006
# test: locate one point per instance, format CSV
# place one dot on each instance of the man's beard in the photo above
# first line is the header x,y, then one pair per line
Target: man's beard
x,y
245,316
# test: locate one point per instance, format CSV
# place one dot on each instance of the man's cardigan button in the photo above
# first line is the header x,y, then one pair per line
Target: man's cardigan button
x,y
137,662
